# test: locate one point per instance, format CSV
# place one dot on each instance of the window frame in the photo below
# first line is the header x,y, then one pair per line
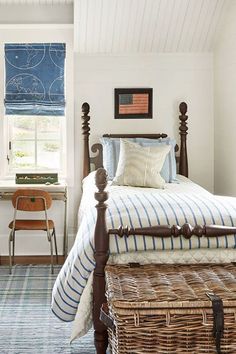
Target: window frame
x,y
10,170
27,33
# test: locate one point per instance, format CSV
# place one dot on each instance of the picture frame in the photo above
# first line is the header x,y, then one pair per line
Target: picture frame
x,y
133,103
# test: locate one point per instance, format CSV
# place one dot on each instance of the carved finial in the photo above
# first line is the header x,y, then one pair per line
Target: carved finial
x,y
86,119
101,179
183,107
183,131
85,108
183,118
85,132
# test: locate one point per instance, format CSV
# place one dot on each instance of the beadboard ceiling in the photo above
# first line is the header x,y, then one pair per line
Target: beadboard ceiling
x,y
147,26
132,26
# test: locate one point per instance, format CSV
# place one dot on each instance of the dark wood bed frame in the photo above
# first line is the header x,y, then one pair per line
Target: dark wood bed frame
x,y
101,234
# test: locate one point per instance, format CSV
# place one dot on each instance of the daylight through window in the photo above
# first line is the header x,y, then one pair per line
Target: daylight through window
x,y
36,143
35,106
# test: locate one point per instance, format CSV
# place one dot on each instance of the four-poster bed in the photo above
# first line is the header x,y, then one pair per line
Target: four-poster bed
x,y
101,235
162,218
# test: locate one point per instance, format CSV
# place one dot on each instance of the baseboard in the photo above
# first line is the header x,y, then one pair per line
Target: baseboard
x,y
32,260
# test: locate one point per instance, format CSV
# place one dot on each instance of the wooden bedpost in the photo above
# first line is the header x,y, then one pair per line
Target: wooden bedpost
x,y
101,255
183,159
85,131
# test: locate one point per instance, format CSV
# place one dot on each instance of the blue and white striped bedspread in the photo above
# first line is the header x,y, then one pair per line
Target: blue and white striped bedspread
x,y
178,203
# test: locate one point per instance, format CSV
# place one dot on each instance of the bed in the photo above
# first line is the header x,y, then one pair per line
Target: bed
x,y
182,223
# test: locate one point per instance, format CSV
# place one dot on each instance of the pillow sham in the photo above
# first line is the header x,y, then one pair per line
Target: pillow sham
x,y
168,171
111,152
140,166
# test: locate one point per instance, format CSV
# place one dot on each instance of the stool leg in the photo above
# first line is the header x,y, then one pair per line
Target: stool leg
x,y
51,249
55,243
13,250
10,259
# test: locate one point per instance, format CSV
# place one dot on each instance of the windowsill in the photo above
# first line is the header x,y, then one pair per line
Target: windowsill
x,y
5,185
11,178
12,175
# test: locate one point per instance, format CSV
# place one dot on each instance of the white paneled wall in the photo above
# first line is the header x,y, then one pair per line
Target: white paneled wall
x,y
225,106
174,78
36,12
36,2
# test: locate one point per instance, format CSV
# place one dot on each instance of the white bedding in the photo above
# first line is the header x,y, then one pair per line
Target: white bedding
x,y
139,207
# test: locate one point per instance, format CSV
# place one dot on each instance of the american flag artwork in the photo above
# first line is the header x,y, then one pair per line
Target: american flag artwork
x,y
133,103
136,103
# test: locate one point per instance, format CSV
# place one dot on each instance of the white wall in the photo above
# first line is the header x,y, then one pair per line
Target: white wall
x,y
37,244
36,13
174,78
225,105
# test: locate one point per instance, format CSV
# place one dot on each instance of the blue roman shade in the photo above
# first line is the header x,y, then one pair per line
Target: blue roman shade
x,y
35,79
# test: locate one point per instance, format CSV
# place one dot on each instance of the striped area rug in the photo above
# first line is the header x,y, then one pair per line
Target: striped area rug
x,y
27,324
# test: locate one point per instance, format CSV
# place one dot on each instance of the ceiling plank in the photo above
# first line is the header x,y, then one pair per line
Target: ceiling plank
x,y
146,26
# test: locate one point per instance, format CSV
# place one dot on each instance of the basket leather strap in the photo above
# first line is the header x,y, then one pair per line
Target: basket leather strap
x,y
105,317
218,315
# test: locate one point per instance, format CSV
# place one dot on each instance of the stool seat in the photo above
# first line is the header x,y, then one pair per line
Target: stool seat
x,y
31,225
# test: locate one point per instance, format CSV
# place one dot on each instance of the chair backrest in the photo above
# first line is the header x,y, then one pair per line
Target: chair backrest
x,y
31,200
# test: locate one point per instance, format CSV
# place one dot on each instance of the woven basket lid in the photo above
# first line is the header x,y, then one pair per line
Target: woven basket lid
x,y
170,286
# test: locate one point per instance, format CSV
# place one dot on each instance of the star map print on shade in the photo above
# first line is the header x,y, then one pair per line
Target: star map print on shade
x,y
35,78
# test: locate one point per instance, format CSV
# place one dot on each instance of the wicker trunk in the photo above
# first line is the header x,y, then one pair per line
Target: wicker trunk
x,y
169,309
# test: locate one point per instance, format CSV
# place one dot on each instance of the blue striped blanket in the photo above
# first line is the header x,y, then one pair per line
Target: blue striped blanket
x,y
178,203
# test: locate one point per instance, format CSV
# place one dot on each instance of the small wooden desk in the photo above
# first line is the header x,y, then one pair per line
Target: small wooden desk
x,y
58,192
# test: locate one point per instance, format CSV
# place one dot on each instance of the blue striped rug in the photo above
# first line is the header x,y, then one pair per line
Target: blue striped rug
x,y
27,324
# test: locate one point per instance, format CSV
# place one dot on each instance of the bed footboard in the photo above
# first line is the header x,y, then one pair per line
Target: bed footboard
x,y
101,253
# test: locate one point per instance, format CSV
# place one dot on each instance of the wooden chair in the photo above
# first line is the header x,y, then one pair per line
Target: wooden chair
x,y
31,200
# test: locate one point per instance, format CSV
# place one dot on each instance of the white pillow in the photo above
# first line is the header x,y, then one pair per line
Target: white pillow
x,y
140,166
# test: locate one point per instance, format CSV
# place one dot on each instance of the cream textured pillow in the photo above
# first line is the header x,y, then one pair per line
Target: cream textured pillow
x,y
140,166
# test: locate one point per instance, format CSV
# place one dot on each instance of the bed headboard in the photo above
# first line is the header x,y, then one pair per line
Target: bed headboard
x,y
96,159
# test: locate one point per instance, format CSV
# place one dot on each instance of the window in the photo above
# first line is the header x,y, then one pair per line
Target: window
x,y
35,104
36,143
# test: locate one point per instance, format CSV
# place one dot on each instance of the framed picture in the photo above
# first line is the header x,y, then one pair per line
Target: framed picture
x,y
133,103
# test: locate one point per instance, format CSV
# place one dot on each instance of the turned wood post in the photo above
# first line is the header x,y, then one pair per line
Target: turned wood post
x,y
186,230
183,159
85,131
101,255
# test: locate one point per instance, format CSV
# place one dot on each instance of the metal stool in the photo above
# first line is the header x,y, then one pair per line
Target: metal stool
x,y
31,200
